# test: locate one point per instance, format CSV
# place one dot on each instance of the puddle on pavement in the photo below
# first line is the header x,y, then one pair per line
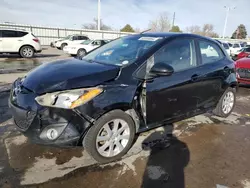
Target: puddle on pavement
x,y
11,65
23,154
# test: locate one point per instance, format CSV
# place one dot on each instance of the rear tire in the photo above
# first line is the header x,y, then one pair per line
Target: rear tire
x,y
104,142
226,103
27,52
81,53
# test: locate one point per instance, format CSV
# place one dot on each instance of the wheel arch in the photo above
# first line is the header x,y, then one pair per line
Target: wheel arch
x,y
26,45
82,49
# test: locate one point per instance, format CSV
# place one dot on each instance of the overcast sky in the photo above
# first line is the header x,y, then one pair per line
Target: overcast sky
x,y
117,13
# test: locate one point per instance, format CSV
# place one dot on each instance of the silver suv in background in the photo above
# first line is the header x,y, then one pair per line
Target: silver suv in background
x,y
19,42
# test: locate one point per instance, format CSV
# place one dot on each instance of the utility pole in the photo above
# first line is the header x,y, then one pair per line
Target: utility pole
x,y
99,15
173,20
225,25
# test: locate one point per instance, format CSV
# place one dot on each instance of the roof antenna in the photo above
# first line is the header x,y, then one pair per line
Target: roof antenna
x,y
145,31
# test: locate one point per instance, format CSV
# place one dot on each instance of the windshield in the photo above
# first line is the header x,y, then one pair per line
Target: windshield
x,y
124,50
86,42
68,37
226,46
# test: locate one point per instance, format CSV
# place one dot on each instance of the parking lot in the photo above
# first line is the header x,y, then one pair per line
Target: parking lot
x,y
204,151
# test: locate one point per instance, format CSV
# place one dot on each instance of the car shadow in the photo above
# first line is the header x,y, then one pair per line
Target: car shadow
x,y
167,160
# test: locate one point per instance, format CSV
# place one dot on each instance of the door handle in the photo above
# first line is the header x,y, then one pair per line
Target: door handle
x,y
194,77
20,40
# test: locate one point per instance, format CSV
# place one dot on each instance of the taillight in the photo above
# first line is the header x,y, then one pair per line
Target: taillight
x,y
36,40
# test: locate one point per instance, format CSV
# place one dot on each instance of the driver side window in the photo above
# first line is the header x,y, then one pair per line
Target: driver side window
x,y
180,54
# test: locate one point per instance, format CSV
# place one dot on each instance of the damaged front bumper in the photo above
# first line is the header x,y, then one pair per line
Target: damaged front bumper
x,y
45,125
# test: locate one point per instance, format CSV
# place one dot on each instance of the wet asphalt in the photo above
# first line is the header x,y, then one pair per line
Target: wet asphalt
x,y
201,152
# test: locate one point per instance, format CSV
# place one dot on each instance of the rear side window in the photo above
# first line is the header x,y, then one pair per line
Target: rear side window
x,y
11,34
83,38
247,50
21,33
210,52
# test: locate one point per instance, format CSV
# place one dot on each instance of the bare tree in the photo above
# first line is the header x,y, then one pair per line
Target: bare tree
x,y
137,30
207,30
161,24
195,29
93,26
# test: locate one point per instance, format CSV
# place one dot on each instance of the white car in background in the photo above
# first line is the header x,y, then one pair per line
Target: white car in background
x,y
70,40
19,42
227,48
83,48
236,49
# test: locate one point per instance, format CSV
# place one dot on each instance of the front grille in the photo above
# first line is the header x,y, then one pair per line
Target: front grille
x,y
244,73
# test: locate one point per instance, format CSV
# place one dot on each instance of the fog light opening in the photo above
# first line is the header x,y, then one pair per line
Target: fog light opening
x,y
52,134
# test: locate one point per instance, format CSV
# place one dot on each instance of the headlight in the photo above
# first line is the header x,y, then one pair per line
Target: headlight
x,y
68,99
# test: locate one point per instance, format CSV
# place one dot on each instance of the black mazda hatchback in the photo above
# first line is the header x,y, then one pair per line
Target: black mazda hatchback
x,y
130,85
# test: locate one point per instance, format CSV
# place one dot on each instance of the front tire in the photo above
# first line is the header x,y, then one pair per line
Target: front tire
x,y
27,52
63,45
110,137
226,103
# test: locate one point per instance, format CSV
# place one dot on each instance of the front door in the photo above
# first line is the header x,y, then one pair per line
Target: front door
x,y
169,97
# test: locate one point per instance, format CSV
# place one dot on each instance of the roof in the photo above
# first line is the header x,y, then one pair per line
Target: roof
x,y
170,34
13,29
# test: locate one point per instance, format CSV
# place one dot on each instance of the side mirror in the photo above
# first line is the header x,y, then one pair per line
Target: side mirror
x,y
162,69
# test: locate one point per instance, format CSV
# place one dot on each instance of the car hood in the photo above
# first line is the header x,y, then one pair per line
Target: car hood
x,y
243,63
68,74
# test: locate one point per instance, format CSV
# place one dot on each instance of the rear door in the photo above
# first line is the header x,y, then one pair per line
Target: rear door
x,y
215,69
170,97
12,40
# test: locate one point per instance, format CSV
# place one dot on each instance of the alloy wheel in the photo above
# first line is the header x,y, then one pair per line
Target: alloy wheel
x,y
27,52
112,138
81,53
228,102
